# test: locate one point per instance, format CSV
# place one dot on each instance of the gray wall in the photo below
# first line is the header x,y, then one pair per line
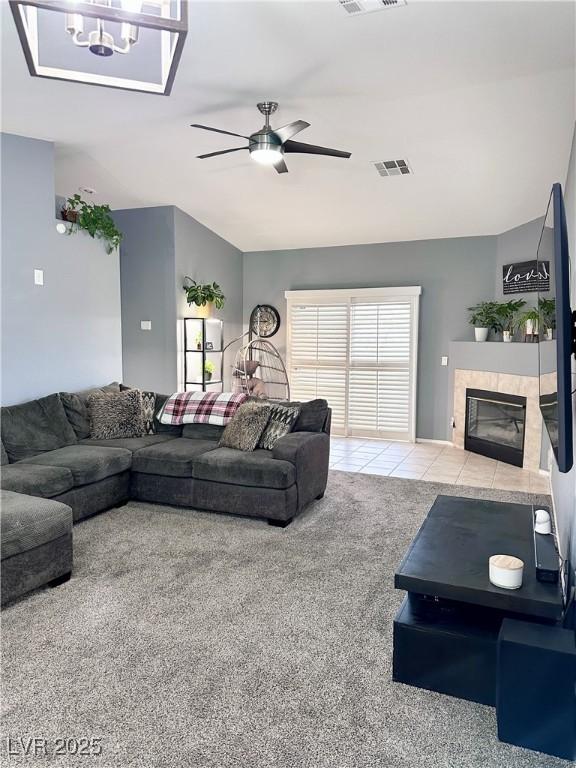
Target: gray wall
x,y
66,334
147,259
564,486
453,274
518,244
161,246
205,257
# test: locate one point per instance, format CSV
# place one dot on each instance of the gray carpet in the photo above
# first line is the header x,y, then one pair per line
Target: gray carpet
x,y
193,639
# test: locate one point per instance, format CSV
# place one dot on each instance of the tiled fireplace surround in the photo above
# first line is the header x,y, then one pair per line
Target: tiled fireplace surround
x,y
505,383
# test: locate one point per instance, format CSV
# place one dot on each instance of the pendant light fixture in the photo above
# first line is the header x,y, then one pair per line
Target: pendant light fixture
x,y
149,32
99,42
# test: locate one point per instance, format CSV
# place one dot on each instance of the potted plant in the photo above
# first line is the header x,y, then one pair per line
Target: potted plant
x,y
508,318
209,369
198,339
203,296
531,321
483,318
547,308
94,219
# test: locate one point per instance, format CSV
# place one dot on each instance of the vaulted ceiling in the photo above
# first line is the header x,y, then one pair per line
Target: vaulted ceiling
x,y
478,97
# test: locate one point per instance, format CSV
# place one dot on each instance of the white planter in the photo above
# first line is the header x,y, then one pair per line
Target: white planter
x,y
481,334
203,311
506,336
549,334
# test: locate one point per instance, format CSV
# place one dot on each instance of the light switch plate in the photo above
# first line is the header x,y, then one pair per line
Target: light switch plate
x,y
38,277
443,360
145,325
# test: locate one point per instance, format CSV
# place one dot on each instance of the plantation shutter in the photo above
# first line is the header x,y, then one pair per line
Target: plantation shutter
x,y
380,361
357,349
318,355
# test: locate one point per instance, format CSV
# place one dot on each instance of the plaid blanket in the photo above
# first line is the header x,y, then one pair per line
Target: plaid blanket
x,y
201,407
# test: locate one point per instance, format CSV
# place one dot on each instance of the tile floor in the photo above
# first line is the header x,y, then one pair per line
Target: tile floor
x,y
429,461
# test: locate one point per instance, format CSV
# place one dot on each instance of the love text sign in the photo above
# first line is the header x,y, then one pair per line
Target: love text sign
x,y
526,276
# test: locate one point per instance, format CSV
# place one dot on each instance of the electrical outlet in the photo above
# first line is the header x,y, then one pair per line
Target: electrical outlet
x,y
444,360
38,277
145,325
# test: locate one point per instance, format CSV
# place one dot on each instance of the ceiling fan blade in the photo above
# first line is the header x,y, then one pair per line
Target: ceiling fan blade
x,y
287,131
281,167
221,152
218,130
311,149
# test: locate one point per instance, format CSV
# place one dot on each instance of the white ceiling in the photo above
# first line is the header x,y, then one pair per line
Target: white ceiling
x,y
479,97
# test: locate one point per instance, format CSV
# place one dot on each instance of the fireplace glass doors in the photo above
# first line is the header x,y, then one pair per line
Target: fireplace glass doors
x,y
495,425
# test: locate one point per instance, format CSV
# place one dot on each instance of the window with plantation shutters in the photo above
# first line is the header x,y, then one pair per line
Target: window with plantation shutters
x,y
358,350
319,354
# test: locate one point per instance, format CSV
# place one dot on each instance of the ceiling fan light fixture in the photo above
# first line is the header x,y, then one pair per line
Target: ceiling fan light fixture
x,y
266,155
268,145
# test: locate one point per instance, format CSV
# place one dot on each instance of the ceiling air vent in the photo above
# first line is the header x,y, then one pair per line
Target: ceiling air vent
x,y
393,167
354,7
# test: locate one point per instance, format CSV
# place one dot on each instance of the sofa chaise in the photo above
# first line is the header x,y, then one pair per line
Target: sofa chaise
x,y
36,543
46,452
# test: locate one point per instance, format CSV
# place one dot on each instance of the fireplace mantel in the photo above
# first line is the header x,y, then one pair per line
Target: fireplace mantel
x,y
517,358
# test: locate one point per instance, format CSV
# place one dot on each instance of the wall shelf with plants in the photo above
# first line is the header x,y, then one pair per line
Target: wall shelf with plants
x,y
203,354
96,220
510,317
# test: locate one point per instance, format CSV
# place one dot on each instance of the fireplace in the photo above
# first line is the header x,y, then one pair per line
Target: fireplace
x,y
495,425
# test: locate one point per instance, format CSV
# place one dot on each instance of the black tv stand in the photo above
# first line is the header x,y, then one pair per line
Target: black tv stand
x,y
446,631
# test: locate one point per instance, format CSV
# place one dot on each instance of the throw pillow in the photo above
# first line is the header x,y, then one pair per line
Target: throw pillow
x,y
35,427
245,427
115,414
76,413
282,420
76,410
246,368
312,417
148,412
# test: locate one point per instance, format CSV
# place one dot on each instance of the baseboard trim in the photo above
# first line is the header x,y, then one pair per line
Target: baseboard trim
x,y
434,442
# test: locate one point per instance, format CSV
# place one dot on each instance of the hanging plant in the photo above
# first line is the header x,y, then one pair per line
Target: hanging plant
x,y
94,219
201,295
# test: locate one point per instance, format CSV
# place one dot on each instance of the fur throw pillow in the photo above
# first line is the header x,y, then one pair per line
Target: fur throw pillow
x,y
115,414
244,429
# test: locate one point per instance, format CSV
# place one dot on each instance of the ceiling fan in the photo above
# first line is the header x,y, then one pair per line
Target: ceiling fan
x,y
268,145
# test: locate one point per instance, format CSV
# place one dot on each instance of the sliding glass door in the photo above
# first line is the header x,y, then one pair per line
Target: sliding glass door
x,y
357,349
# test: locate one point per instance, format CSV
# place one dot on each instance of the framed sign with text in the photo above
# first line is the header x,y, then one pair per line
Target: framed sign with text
x,y
526,277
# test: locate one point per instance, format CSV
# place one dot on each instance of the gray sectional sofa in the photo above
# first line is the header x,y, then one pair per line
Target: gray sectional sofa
x,y
46,452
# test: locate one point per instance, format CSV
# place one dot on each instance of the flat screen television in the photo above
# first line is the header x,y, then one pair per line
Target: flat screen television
x,y
554,354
